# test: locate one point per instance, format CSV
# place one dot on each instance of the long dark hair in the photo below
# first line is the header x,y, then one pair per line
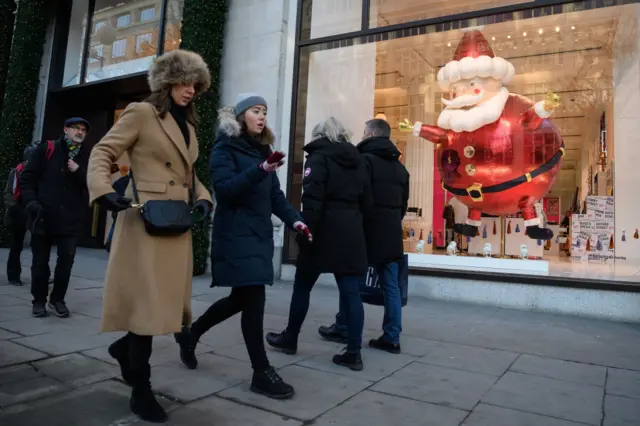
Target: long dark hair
x,y
162,102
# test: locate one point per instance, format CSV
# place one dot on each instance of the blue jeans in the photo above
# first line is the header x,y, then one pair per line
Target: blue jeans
x,y
350,305
392,322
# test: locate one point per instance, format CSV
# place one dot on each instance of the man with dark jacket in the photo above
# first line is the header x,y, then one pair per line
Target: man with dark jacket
x,y
336,198
390,187
54,191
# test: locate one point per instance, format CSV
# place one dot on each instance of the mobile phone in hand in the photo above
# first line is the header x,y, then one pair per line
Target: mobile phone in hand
x,y
275,157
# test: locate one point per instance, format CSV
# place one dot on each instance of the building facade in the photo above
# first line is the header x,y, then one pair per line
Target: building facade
x,y
356,59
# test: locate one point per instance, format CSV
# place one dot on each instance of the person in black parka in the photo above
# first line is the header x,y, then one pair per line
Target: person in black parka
x,y
336,198
247,193
53,188
390,188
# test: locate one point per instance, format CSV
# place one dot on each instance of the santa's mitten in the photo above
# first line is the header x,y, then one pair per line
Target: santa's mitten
x,y
537,233
465,229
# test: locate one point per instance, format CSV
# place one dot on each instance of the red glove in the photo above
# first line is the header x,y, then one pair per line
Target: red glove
x,y
303,229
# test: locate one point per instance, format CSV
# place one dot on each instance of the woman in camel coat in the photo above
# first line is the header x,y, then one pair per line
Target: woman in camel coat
x,y
148,282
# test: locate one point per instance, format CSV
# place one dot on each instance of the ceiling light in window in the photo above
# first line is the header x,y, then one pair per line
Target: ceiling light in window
x,y
524,34
540,31
557,29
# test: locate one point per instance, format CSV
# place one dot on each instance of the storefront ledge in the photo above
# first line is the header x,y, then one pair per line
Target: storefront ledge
x,y
472,263
601,299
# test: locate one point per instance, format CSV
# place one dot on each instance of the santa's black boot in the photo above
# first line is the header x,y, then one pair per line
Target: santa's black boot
x,y
465,229
537,233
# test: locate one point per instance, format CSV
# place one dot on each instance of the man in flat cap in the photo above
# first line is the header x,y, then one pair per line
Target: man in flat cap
x,y
53,188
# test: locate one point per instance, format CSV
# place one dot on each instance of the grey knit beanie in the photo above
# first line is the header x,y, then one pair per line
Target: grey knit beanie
x,y
244,101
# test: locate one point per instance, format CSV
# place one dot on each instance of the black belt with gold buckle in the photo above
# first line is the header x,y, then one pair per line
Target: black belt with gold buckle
x,y
476,191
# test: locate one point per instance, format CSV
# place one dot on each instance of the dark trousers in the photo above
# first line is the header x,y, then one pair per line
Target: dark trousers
x,y
41,250
350,304
18,231
250,301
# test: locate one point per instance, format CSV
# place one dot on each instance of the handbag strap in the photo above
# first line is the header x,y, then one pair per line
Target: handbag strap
x,y
192,195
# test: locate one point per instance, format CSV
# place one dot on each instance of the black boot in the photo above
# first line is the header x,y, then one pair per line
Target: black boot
x,y
188,342
465,229
537,233
283,341
384,345
143,402
332,334
119,350
268,383
351,360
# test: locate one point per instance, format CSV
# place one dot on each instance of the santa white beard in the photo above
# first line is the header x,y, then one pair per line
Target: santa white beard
x,y
460,120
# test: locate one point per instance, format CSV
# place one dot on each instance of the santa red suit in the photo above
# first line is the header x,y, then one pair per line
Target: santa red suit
x,y
497,156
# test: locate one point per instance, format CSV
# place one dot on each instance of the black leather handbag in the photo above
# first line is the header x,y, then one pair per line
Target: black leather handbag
x,y
166,218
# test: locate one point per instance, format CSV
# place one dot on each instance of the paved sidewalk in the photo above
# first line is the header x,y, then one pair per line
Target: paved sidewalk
x,y
461,365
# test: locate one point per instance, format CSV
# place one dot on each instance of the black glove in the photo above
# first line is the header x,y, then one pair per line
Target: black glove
x,y
203,209
114,202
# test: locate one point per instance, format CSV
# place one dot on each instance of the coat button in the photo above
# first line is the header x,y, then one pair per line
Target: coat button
x,y
171,182
470,169
184,185
168,164
469,151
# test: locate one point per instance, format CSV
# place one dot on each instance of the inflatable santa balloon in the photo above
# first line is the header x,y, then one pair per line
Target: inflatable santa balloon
x,y
498,152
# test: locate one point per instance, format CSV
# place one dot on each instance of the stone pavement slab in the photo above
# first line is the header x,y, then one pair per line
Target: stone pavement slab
x,y
469,358
276,358
437,385
489,415
12,301
316,393
377,364
65,342
27,390
376,409
214,373
621,411
562,370
12,353
50,324
76,370
5,335
216,411
624,383
550,397
103,404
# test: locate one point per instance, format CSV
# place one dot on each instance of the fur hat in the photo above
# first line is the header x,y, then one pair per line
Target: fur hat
x,y
179,67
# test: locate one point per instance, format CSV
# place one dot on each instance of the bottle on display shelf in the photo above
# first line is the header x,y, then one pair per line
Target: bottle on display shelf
x,y
420,235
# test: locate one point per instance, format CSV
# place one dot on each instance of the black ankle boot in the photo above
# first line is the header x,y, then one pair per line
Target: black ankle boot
x,y
268,383
351,360
119,350
188,342
143,402
332,334
283,341
385,345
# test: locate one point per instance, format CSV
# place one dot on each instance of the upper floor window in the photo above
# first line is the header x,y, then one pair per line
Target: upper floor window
x,y
119,48
147,14
123,21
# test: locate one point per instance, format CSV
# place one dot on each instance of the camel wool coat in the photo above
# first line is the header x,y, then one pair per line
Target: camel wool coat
x,y
147,288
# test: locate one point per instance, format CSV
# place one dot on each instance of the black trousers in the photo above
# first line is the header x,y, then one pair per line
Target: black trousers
x,y
138,350
41,250
250,301
18,230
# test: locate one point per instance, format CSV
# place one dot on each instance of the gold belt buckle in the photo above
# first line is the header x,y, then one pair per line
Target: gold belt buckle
x,y
475,192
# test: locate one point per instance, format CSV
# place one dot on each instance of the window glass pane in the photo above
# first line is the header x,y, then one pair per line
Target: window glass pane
x,y
128,42
501,130
172,34
75,43
321,18
148,14
390,12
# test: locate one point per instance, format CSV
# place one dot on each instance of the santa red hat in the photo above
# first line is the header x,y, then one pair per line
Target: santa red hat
x,y
474,58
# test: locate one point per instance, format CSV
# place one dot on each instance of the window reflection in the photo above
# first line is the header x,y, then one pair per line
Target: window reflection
x,y
125,38
173,28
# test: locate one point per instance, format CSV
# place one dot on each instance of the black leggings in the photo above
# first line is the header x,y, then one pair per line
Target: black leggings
x,y
250,301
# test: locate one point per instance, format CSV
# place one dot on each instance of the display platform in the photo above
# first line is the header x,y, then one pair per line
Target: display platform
x,y
474,263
